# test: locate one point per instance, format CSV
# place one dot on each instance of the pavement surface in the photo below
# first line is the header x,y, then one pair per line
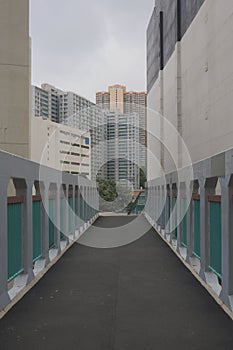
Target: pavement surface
x,y
136,297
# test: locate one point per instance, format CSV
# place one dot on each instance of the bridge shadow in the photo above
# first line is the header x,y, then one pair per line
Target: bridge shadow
x,y
138,296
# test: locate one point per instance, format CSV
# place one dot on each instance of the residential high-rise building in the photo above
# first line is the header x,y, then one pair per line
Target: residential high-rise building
x,y
123,148
73,110
117,98
45,102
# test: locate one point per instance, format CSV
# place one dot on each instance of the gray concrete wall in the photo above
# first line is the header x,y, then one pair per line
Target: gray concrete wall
x,y
177,18
14,77
197,85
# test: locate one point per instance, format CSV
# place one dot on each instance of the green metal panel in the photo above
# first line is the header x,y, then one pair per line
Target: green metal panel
x,y
81,207
70,214
15,246
37,244
86,209
197,242
215,238
138,205
51,224
62,223
184,223
76,213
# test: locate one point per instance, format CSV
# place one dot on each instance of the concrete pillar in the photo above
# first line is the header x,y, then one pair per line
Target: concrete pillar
x,y
92,203
173,212
56,220
190,220
81,190
45,222
84,205
78,214
171,209
15,82
227,241
167,214
207,187
66,212
4,297
180,193
159,205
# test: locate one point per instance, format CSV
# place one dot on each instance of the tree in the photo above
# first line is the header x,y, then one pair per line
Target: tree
x,y
113,196
107,192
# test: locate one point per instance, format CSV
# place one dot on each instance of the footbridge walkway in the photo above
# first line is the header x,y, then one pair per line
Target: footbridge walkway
x,y
71,278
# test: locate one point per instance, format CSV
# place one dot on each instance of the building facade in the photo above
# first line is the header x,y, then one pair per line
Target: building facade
x,y
73,110
189,78
15,77
60,147
123,148
117,98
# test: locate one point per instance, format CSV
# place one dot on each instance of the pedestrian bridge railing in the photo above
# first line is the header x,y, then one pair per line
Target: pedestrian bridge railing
x,y
194,215
43,211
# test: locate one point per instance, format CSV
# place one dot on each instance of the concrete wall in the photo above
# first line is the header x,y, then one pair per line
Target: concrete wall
x,y
153,131
207,80
197,85
15,77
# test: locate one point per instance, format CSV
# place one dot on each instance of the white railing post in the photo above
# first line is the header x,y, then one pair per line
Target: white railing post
x,y
190,221
56,219
179,228
45,222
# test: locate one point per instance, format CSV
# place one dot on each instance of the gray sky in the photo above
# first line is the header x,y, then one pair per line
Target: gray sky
x,y
84,46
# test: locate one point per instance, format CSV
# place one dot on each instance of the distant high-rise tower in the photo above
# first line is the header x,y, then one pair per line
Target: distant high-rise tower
x,y
117,98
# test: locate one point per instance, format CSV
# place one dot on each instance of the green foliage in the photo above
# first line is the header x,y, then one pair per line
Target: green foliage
x,y
113,197
107,189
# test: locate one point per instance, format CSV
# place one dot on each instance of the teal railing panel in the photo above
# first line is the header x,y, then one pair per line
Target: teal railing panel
x,y
62,222
37,243
76,212
15,245
51,224
215,238
70,214
184,223
82,208
197,237
139,205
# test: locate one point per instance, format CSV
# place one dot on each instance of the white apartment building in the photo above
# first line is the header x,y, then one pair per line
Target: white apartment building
x,y
60,147
123,148
73,110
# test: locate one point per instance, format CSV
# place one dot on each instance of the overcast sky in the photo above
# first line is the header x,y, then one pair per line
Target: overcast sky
x,y
84,46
